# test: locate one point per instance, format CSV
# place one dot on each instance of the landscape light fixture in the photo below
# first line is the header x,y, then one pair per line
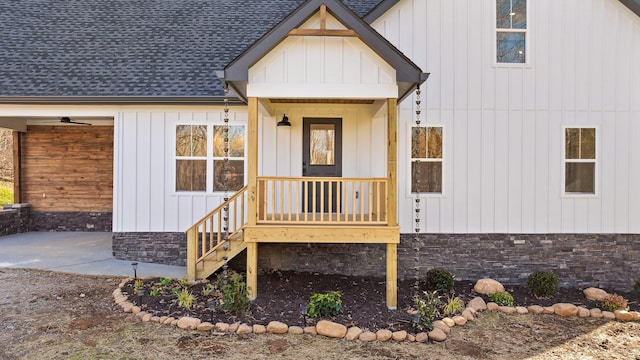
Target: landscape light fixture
x,y
303,311
284,121
134,265
211,306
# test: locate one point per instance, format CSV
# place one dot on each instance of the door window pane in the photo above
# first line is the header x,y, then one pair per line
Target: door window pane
x,y
322,144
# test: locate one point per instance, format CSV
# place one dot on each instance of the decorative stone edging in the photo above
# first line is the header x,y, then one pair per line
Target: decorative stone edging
x,y
334,330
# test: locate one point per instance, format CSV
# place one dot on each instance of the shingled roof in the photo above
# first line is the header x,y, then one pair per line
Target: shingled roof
x,y
130,48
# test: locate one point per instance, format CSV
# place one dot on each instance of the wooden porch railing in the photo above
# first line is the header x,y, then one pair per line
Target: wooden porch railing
x,y
317,200
209,234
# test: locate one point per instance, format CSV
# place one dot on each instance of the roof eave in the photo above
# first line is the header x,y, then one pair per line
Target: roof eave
x,y
634,5
119,100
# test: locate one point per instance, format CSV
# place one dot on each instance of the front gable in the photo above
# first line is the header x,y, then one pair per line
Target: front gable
x,y
322,66
407,74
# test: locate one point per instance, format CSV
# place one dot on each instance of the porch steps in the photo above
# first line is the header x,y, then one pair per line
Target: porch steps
x,y
214,261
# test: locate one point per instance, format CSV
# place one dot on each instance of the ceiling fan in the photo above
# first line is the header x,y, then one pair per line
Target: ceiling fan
x,y
67,120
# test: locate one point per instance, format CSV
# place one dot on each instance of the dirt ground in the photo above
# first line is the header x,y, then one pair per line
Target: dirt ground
x,y
47,315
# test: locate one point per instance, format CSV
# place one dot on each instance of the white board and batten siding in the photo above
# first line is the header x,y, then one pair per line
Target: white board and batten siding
x,y
504,125
145,199
322,67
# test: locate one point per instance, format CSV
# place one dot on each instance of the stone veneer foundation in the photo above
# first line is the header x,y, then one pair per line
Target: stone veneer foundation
x,y
600,260
70,221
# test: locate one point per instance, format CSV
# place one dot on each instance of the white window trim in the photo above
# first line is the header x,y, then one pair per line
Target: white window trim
x,y
443,160
527,40
210,158
596,180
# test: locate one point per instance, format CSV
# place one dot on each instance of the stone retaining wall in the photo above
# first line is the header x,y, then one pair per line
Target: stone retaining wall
x,y
70,221
157,247
14,218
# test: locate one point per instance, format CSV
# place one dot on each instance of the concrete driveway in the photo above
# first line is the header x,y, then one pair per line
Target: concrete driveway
x,y
74,252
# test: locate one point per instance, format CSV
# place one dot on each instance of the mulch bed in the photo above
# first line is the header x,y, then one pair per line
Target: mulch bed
x,y
281,294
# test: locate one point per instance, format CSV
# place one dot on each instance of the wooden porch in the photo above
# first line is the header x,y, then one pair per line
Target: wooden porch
x,y
299,210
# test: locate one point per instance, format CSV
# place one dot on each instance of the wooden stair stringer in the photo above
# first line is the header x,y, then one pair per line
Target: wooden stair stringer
x,y
215,260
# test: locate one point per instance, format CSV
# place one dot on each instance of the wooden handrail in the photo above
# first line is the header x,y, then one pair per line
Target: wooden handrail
x,y
322,200
208,234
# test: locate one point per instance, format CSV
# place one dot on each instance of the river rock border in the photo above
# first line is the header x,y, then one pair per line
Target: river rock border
x,y
334,330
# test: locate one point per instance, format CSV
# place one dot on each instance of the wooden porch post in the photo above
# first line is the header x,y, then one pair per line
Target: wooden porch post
x,y
252,175
392,175
17,167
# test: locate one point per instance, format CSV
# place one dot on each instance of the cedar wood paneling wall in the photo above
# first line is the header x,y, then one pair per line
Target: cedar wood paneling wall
x,y
71,165
503,125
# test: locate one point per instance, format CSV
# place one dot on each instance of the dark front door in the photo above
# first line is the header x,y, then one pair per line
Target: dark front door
x,y
322,157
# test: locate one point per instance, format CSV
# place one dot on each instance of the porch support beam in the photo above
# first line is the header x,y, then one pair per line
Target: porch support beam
x,y
392,276
252,176
392,174
392,160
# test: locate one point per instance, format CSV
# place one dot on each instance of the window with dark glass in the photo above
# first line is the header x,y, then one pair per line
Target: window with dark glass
x,y
233,171
511,31
580,161
426,159
191,158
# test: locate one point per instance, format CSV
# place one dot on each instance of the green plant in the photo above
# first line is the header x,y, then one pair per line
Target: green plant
x,y
154,292
164,282
325,305
184,283
175,291
427,308
207,290
439,280
542,283
186,299
454,305
613,302
502,298
234,293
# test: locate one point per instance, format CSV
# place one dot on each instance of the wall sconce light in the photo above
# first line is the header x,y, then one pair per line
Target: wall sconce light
x,y
284,121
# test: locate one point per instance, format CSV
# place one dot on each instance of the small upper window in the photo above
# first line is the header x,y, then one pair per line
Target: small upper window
x,y
511,31
191,158
580,161
426,159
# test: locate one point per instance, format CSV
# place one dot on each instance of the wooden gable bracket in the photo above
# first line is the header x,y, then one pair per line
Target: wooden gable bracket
x,y
323,31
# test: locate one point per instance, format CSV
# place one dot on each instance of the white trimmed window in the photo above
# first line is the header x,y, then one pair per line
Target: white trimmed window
x,y
580,160
200,160
426,159
511,31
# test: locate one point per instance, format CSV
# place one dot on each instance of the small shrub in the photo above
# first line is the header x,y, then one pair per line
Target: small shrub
x,y
542,283
164,282
428,308
439,280
325,305
207,290
184,283
502,298
186,299
454,305
234,293
636,288
613,302
154,292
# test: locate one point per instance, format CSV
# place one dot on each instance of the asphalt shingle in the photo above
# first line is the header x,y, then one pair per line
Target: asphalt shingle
x,y
130,48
